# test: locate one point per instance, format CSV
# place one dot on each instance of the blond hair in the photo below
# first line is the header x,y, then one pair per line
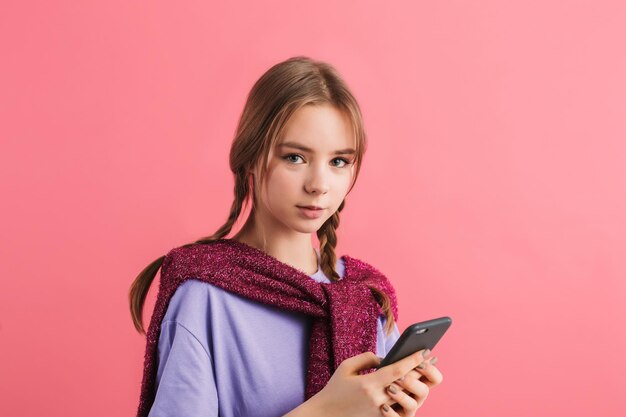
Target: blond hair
x,y
281,91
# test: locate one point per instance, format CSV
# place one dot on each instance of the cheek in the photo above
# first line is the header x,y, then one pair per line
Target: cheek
x,y
281,185
341,187
284,179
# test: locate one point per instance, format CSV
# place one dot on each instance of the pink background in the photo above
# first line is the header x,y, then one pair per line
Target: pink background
x,y
493,190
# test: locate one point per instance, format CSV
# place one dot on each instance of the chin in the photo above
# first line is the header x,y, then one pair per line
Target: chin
x,y
310,227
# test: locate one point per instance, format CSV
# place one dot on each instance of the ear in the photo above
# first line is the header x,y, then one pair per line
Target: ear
x,y
252,176
253,171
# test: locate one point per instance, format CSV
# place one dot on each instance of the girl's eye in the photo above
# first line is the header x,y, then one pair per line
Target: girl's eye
x,y
290,155
345,161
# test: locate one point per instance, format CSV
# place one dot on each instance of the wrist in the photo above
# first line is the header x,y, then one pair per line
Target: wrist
x,y
312,407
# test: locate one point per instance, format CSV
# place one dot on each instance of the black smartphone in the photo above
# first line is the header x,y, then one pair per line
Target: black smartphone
x,y
418,336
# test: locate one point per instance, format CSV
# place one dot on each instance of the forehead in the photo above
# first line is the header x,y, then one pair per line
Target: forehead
x,y
321,127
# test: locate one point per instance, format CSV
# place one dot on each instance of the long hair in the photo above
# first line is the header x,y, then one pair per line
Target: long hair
x,y
281,91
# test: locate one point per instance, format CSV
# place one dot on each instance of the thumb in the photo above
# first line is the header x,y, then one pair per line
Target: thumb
x,y
360,362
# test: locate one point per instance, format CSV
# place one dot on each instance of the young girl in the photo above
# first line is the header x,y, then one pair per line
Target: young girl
x,y
264,323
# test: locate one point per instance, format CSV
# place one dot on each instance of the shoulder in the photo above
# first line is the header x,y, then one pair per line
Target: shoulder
x,y
362,269
187,251
190,257
189,301
364,272
191,290
199,306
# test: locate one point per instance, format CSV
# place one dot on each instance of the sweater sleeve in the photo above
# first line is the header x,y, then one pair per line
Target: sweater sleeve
x,y
185,382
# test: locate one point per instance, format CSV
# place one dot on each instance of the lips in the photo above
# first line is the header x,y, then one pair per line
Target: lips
x,y
311,207
309,213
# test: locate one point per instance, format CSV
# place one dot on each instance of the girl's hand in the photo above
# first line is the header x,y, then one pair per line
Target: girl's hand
x,y
349,393
412,390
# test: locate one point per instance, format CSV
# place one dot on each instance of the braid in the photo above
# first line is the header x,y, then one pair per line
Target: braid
x,y
385,303
241,192
328,241
140,286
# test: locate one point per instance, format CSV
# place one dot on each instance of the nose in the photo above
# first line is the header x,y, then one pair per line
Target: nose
x,y
317,180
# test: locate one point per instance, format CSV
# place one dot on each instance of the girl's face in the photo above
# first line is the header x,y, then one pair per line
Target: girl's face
x,y
319,175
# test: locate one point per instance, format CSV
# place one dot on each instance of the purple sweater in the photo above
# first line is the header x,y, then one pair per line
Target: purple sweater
x,y
220,354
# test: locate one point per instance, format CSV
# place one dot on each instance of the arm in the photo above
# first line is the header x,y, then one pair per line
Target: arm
x,y
313,407
185,382
316,405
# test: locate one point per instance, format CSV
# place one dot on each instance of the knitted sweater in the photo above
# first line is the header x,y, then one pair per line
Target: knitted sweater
x,y
236,332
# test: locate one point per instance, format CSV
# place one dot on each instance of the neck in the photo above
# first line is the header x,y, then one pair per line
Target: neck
x,y
297,251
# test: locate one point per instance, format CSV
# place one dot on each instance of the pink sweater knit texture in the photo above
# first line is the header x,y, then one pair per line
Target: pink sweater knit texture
x,y
344,312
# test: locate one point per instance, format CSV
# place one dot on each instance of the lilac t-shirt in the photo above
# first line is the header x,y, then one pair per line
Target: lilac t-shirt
x,y
221,354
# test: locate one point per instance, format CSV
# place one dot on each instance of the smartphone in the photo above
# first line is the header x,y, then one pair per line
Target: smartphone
x,y
418,336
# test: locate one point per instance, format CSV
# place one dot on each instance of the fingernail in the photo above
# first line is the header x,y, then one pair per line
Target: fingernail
x,y
385,407
392,389
426,353
433,360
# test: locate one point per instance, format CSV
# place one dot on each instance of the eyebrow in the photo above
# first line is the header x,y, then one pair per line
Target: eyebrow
x,y
304,148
